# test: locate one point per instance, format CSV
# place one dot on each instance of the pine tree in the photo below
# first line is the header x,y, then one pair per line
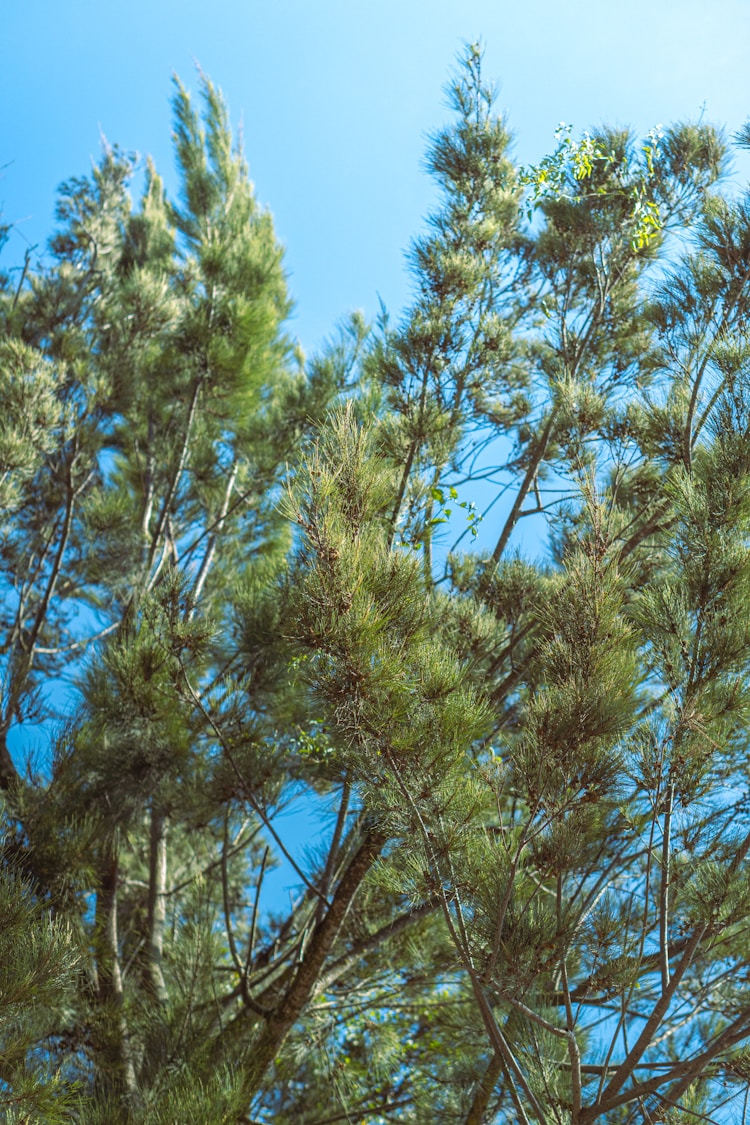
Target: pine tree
x,y
235,579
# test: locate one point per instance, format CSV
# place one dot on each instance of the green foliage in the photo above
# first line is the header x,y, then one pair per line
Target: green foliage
x,y
238,585
39,963
561,175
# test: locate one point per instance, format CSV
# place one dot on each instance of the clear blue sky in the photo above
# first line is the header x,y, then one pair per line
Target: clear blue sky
x,y
337,98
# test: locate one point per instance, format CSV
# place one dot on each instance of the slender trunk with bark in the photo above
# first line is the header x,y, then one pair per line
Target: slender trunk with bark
x,y
115,1069
157,903
479,1107
281,1020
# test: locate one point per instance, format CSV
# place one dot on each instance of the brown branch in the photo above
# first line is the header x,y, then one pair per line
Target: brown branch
x,y
477,1114
540,451
174,484
624,1071
402,922
574,1053
664,890
254,918
208,557
26,261
9,776
502,1047
334,848
241,972
249,796
686,1071
279,1023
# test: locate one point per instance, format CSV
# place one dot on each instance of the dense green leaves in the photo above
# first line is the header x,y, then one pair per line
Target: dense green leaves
x,y
239,586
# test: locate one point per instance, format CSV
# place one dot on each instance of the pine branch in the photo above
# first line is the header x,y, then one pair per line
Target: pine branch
x,y
365,945
279,1023
208,557
485,1088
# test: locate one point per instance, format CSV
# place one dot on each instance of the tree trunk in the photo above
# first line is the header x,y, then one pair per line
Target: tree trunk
x,y
483,1093
157,903
279,1023
115,1072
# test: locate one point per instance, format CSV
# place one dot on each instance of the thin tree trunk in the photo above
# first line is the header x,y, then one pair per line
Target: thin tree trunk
x,y
208,557
540,451
477,1114
157,902
155,1053
280,1022
9,775
115,1069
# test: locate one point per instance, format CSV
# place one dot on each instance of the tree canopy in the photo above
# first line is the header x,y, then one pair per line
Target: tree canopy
x,y
472,586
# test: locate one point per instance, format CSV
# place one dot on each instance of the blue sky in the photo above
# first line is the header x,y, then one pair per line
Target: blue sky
x,y
337,100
